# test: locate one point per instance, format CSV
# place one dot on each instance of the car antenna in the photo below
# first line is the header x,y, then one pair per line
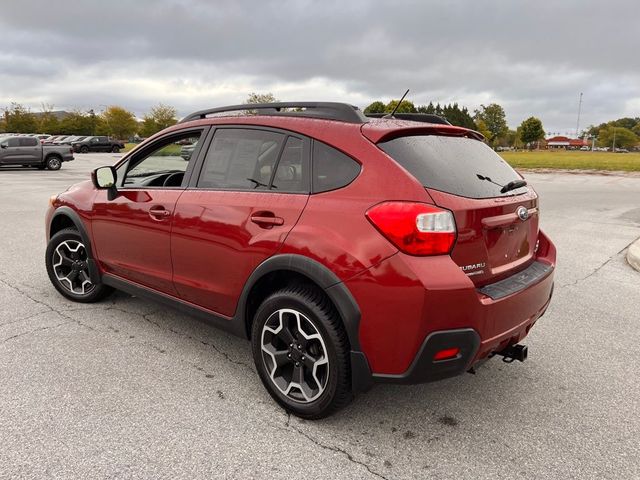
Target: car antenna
x,y
391,115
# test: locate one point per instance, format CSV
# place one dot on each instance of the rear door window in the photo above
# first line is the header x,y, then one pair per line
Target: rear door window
x,y
292,172
242,159
28,141
452,165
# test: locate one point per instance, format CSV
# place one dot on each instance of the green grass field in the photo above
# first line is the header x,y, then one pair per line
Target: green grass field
x,y
574,160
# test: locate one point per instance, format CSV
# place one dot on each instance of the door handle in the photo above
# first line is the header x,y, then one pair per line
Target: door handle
x,y
159,213
266,219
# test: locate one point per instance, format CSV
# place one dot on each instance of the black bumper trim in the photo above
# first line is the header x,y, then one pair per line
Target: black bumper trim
x,y
424,369
515,283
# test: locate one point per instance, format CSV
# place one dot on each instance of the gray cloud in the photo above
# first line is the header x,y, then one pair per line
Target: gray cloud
x,y
532,57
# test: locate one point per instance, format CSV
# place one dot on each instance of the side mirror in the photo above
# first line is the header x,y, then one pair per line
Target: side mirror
x,y
3,145
104,178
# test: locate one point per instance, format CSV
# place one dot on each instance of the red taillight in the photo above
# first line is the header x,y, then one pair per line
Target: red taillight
x,y
446,354
415,228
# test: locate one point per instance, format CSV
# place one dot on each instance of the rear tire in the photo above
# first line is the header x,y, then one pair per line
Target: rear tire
x,y
84,149
115,149
66,259
301,352
53,162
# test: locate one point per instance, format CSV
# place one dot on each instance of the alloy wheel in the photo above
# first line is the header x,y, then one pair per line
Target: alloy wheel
x,y
70,265
295,355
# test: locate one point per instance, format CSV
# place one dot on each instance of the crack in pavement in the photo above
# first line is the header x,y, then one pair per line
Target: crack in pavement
x,y
576,282
40,329
289,427
44,304
147,318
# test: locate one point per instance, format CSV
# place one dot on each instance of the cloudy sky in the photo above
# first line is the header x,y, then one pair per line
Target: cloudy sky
x,y
532,57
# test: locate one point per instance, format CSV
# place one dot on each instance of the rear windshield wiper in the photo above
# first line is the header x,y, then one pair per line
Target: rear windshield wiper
x,y
512,185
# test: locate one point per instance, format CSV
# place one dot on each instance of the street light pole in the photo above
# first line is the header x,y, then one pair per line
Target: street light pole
x,y
579,111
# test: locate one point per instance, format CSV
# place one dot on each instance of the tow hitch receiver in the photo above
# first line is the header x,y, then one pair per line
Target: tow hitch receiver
x,y
513,352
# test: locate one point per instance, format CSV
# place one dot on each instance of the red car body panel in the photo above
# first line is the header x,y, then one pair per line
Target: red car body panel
x,y
132,235
207,248
216,245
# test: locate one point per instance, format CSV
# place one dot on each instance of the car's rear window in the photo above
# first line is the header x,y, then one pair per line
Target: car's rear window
x,y
452,164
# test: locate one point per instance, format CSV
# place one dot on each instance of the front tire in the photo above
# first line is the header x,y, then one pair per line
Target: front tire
x,y
301,352
53,163
84,149
67,264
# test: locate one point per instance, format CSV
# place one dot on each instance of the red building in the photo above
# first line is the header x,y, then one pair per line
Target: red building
x,y
566,143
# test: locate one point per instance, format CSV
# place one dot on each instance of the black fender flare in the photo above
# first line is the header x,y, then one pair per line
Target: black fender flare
x,y
72,215
337,292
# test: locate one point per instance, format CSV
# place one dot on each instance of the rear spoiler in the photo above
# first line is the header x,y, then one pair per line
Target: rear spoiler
x,y
387,129
414,117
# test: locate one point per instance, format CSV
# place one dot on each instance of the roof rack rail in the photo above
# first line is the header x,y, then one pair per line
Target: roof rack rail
x,y
342,112
416,117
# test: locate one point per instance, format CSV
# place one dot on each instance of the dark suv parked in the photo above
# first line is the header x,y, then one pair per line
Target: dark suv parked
x,y
97,144
348,250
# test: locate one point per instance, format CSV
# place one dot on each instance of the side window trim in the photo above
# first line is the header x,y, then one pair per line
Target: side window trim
x,y
275,165
151,147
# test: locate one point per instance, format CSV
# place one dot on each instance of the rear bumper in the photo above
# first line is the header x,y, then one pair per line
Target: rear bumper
x,y
413,307
425,369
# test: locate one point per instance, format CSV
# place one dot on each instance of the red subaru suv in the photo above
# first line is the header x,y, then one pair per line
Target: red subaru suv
x,y
349,250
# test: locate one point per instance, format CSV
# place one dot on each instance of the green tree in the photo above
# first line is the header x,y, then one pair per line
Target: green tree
x,y
117,122
494,119
427,109
514,139
531,130
458,116
19,119
261,98
78,123
160,117
375,107
483,129
623,137
405,107
48,123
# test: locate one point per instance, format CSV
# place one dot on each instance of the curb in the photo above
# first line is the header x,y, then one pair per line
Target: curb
x,y
633,255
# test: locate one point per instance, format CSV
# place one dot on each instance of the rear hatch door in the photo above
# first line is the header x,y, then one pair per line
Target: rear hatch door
x,y
497,231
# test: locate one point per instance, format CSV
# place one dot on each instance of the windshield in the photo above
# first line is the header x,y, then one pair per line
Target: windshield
x,y
452,165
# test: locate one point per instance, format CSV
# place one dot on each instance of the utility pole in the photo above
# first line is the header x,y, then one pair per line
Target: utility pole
x,y
614,140
579,111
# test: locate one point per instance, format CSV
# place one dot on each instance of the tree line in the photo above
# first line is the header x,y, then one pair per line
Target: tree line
x,y
114,121
490,120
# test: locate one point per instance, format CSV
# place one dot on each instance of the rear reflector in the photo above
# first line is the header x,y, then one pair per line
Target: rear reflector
x,y
446,354
415,228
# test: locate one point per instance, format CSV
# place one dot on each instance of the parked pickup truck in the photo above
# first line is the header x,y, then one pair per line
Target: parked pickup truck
x,y
28,152
97,144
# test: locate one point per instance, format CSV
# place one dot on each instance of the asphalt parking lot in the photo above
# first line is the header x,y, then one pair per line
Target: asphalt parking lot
x,y
130,389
